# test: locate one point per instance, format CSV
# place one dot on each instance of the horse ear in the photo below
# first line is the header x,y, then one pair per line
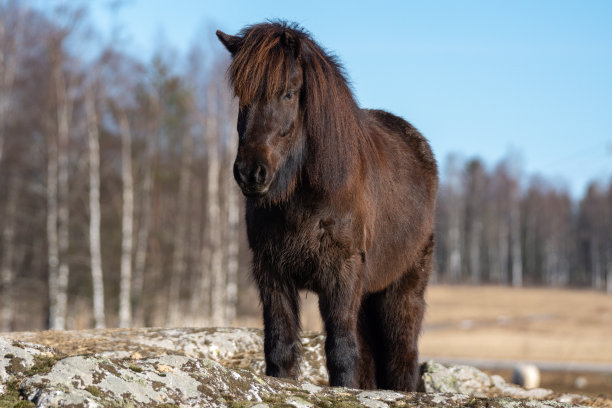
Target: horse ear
x,y
291,41
231,42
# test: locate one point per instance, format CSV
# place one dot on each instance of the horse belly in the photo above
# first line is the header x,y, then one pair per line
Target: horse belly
x,y
398,238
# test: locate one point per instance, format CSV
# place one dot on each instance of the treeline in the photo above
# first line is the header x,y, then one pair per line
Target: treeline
x,y
494,228
118,205
117,202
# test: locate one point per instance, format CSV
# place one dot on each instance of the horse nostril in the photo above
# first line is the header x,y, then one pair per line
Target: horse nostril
x,y
255,174
260,174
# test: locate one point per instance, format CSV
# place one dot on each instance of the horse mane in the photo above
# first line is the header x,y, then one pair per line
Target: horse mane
x,y
260,70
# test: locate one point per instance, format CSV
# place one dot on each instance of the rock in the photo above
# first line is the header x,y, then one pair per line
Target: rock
x,y
470,380
526,375
18,359
217,368
580,382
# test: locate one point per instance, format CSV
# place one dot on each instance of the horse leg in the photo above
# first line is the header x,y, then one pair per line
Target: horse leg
x,y
401,308
339,305
281,330
367,335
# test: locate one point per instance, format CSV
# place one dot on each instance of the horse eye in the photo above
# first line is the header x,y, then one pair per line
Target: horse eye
x,y
289,95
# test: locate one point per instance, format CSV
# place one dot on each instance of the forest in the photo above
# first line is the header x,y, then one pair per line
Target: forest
x,y
118,206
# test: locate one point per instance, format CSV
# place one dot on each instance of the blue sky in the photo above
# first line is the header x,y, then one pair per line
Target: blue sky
x,y
478,78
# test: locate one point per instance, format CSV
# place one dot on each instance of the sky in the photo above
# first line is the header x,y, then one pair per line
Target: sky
x,y
488,79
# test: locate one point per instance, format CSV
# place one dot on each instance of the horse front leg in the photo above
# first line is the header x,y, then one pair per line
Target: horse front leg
x,y
339,306
281,330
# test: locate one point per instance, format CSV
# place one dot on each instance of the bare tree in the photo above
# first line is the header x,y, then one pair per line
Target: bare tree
x,y
609,268
475,186
142,236
180,244
455,220
64,114
95,248
8,67
52,240
515,228
8,245
210,296
125,290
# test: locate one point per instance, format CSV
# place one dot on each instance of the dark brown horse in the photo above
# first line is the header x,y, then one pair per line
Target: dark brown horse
x,y
339,201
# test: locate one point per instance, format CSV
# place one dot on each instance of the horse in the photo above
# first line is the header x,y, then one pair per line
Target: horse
x,y
339,201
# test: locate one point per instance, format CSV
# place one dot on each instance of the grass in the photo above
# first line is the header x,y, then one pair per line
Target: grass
x,y
518,324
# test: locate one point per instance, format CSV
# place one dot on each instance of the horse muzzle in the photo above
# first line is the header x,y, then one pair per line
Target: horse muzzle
x,y
254,179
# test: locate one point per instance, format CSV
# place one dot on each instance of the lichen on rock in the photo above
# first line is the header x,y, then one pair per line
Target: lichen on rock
x,y
217,368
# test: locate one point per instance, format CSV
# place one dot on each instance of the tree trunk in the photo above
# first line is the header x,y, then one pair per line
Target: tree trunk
x,y
454,243
596,278
52,241
515,236
215,260
178,259
502,254
195,250
8,251
233,236
210,295
142,237
609,269
63,128
94,211
8,69
125,291
475,239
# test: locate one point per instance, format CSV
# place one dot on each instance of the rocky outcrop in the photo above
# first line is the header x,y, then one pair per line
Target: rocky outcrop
x,y
217,368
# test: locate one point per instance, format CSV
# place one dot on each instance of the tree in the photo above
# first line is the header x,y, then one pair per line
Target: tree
x,y
475,186
151,103
127,223
7,273
180,238
11,24
95,248
455,203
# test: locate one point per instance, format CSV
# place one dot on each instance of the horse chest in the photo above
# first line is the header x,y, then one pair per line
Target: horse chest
x,y
304,246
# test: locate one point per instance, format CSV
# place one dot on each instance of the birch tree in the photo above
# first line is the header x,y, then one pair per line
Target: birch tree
x,y
64,113
52,233
125,301
93,143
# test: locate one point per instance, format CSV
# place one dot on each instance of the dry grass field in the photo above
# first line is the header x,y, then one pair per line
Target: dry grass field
x,y
518,324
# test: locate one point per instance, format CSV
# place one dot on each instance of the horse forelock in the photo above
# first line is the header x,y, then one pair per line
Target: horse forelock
x,y
260,69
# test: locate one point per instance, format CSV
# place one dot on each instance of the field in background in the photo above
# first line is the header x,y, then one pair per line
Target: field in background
x,y
518,324
501,325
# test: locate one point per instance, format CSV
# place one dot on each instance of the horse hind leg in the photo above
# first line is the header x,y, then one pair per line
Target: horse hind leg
x,y
401,308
